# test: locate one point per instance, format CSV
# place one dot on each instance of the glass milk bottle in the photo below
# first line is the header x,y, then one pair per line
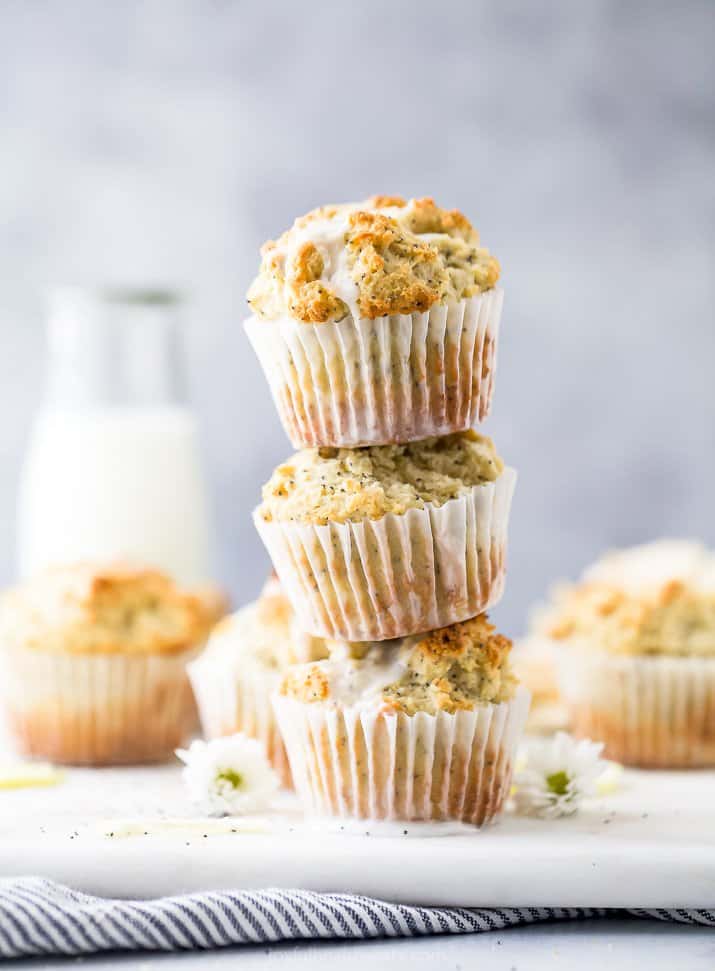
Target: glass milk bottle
x,y
113,469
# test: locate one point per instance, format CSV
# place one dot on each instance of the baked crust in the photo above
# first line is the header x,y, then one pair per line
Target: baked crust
x,y
451,669
384,256
342,484
455,668
306,682
650,600
86,609
395,272
262,633
426,216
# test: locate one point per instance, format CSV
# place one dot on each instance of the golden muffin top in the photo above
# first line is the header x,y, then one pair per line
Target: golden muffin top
x,y
653,599
263,633
451,669
370,259
322,485
91,609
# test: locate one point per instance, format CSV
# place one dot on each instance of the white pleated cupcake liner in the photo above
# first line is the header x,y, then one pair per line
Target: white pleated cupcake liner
x,y
107,709
398,378
652,712
234,699
535,660
397,575
354,763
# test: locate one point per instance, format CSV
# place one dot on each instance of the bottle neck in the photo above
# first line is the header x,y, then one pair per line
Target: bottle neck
x,y
113,349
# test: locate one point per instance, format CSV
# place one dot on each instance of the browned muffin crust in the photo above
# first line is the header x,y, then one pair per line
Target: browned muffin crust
x,y
86,608
448,670
341,485
384,256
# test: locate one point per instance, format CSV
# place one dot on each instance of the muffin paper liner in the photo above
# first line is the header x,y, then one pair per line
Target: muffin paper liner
x,y
352,762
107,709
398,378
397,575
233,699
653,712
535,661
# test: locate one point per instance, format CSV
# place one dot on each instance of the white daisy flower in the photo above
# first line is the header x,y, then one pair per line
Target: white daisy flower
x,y
229,776
558,774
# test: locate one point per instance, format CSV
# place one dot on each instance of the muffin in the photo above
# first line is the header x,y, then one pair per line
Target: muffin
x,y
391,540
214,601
424,728
638,657
535,661
377,323
93,664
241,667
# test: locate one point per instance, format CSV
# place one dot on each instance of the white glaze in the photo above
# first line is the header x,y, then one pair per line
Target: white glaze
x,y
361,682
328,234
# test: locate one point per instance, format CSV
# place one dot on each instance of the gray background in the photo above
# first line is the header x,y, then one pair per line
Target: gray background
x,y
164,141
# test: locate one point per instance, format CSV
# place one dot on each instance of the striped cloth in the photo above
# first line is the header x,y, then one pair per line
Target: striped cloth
x,y
38,917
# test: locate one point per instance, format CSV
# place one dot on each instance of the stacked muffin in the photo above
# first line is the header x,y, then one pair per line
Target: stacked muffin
x,y
376,325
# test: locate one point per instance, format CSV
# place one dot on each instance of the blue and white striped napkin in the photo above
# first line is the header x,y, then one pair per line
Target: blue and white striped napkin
x,y
38,917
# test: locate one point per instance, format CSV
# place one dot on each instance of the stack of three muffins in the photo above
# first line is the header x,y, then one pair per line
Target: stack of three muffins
x,y
376,326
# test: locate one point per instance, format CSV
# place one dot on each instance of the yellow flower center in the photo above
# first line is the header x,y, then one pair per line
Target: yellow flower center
x,y
233,778
558,783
